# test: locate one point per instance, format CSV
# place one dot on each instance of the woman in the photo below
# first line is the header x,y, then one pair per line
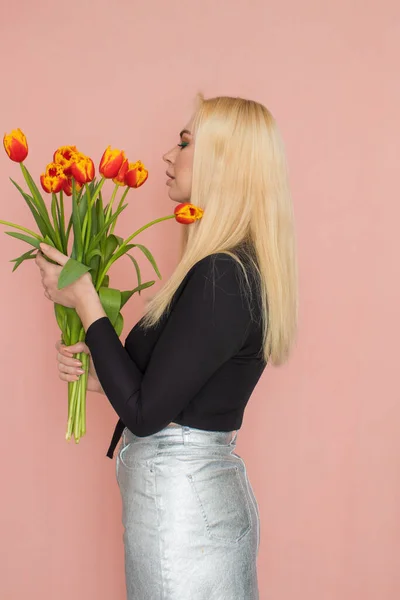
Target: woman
x,y
181,382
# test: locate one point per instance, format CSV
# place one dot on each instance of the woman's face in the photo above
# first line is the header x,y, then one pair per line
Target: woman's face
x,y
180,163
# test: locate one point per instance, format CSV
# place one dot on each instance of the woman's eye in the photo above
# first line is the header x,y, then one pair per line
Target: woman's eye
x,y
183,144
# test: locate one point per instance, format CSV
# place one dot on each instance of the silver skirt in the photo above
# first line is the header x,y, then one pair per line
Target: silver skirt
x,y
191,520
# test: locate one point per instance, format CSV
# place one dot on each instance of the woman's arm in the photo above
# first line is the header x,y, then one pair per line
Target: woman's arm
x,y
206,327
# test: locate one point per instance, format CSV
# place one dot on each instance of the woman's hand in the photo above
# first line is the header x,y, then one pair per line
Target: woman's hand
x,y
69,367
71,296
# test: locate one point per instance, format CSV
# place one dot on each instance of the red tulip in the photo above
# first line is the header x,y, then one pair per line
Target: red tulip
x,y
187,213
53,180
67,189
111,162
82,168
15,145
120,178
136,174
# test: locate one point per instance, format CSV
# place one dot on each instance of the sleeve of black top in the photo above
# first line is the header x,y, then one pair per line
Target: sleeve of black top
x,y
206,327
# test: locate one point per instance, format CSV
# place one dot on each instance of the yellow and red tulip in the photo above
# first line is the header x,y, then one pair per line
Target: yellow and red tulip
x,y
15,145
54,179
187,213
63,155
111,162
81,168
120,178
136,174
67,188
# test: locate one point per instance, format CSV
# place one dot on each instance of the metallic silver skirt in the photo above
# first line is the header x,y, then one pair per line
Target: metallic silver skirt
x,y
191,520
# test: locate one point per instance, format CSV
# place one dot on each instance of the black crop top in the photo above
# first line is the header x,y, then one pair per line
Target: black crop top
x,y
198,366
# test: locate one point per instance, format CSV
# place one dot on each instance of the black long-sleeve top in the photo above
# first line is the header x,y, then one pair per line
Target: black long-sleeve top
x,y
198,366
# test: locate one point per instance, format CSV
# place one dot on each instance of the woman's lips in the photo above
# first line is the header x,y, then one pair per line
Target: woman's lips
x,y
170,178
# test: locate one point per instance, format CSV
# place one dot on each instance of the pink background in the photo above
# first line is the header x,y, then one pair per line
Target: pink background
x,y
321,435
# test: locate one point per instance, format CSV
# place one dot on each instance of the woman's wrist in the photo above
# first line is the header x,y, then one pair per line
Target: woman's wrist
x,y
90,309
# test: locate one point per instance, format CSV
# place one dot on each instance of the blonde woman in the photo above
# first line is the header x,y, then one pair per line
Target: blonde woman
x,y
181,382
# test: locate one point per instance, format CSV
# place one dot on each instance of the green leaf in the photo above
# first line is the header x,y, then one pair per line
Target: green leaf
x,y
36,215
71,271
100,211
95,252
106,280
119,324
95,241
20,259
83,204
25,238
95,228
38,201
49,241
120,253
137,268
119,239
111,302
127,294
111,245
150,257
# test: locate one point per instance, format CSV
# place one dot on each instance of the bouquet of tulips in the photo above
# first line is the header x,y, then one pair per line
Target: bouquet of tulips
x,y
95,246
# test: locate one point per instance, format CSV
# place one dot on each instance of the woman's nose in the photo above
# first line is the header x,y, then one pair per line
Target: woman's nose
x,y
168,157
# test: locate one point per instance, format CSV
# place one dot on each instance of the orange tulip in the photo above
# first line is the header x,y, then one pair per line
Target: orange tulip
x,y
67,188
120,178
136,175
15,145
53,180
81,168
187,213
111,162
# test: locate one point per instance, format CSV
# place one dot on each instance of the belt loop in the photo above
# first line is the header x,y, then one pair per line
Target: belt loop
x,y
233,440
186,434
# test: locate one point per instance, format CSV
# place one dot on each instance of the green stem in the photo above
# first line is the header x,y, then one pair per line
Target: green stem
x,y
55,221
111,201
62,222
32,233
118,207
125,243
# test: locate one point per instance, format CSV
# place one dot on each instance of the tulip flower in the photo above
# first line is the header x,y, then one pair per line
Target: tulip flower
x,y
81,168
54,179
187,213
63,155
15,145
120,178
67,189
111,162
136,174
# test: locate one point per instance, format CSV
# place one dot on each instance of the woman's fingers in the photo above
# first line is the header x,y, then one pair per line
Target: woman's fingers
x,y
70,368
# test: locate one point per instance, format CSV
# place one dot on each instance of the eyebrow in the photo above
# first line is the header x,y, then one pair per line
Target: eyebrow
x,y
184,131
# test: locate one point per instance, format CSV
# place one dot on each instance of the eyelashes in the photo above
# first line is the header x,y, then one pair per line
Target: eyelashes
x,y
183,144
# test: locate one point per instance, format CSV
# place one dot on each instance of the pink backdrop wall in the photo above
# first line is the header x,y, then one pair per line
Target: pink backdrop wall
x,y
321,434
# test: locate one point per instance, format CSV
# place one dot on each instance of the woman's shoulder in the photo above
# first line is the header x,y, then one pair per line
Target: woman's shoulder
x,y
222,272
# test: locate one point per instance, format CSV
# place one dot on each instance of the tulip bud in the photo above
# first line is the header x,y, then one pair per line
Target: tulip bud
x,y
136,174
53,180
187,213
16,146
63,155
111,162
120,178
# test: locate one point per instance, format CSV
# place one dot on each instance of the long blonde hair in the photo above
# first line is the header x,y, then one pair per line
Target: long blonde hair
x,y
240,179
